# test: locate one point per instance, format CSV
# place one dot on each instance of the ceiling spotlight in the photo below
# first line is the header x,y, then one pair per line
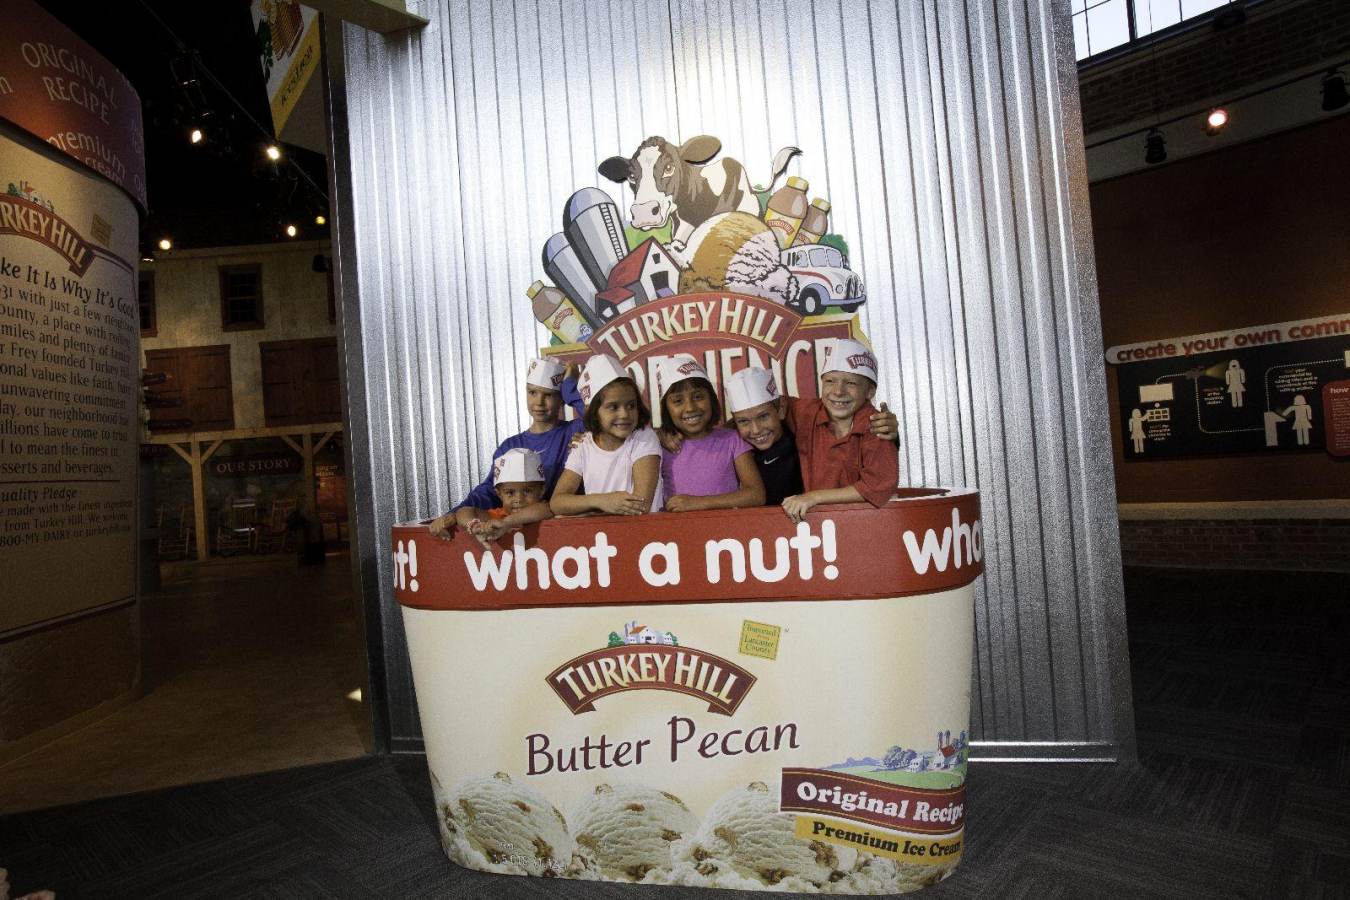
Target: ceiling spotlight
x,y
1155,147
165,244
1334,95
1216,120
273,152
196,136
320,220
292,231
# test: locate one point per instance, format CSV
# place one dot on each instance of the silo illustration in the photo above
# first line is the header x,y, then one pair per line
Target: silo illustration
x,y
592,223
563,265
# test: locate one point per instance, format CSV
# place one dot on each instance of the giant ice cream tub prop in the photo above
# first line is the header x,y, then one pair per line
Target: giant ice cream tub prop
x,y
722,699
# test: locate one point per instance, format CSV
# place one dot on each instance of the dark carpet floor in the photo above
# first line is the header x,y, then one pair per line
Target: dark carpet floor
x,y
1242,698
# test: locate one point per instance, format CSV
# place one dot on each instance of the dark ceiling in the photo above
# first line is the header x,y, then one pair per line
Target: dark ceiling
x,y
222,191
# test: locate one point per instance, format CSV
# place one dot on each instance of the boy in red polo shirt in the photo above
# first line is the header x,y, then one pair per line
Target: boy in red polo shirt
x,y
842,461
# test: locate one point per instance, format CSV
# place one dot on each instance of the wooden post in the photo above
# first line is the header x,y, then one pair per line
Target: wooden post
x,y
310,494
192,453
196,460
307,448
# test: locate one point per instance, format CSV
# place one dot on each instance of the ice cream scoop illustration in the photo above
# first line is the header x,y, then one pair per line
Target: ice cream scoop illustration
x,y
746,842
736,252
627,830
492,824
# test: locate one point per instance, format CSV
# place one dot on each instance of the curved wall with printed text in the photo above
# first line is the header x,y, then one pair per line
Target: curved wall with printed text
x,y
71,171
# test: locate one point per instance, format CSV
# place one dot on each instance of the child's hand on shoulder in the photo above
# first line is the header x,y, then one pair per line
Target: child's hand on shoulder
x,y
884,424
577,439
671,441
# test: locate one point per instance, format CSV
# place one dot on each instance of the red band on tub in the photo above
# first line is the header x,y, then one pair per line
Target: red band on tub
x,y
926,541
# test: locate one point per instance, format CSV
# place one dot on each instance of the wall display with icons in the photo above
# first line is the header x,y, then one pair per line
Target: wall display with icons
x,y
703,262
1250,390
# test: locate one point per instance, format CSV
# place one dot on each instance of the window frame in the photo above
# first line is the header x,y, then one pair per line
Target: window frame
x,y
188,391
1136,40
307,414
252,325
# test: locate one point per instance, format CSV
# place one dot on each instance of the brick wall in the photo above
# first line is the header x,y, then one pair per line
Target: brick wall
x,y
1279,37
1321,545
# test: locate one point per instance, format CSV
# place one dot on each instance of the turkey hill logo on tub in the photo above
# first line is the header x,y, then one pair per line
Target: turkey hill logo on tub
x,y
645,659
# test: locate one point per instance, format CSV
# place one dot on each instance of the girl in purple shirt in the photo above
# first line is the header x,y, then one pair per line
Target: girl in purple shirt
x,y
714,468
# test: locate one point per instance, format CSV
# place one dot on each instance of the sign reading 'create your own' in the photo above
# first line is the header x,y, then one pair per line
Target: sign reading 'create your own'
x,y
1257,389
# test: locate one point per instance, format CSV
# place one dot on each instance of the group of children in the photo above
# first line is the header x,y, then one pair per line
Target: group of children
x,y
609,460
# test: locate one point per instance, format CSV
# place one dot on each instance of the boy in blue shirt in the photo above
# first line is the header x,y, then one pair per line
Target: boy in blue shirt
x,y
547,386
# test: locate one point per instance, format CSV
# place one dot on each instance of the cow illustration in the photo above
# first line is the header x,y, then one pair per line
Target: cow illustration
x,y
670,182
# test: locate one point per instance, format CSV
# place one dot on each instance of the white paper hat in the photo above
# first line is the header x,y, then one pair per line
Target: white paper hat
x,y
676,369
545,373
518,464
749,388
845,355
599,371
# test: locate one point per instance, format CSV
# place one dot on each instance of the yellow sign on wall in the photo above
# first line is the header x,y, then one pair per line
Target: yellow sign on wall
x,y
288,47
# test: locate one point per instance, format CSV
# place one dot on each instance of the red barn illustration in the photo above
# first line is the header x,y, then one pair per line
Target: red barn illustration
x,y
640,277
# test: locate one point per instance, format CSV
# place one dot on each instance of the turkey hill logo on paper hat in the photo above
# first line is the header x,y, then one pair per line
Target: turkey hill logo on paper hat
x,y
598,372
545,373
516,465
643,658
677,369
749,388
851,357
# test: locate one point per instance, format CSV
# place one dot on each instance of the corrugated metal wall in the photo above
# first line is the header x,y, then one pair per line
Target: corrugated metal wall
x,y
945,134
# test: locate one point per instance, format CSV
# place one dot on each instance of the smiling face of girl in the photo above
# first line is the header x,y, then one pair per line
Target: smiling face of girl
x,y
691,408
617,414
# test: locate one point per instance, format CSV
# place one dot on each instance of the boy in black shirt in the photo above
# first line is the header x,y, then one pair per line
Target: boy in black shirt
x,y
757,411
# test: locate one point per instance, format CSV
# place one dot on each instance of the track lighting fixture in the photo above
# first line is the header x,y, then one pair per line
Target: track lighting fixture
x,y
1334,94
1155,147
